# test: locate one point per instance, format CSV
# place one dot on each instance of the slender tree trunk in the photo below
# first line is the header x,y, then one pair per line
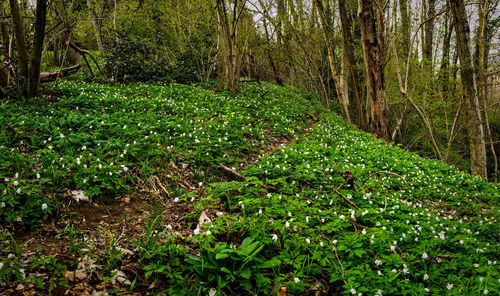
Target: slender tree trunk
x,y
228,25
276,74
97,34
405,30
36,55
482,87
372,39
22,50
352,65
343,99
444,71
429,29
474,126
4,28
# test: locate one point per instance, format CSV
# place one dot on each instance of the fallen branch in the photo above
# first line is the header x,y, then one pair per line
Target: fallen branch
x,y
232,172
48,76
345,198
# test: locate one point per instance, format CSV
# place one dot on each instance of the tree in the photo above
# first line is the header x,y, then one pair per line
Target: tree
x,y
352,67
474,126
372,40
342,95
228,32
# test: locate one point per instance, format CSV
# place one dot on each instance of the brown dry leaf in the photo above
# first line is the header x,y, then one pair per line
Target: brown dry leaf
x,y
282,292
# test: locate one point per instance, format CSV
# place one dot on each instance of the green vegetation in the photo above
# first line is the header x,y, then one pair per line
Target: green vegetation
x,y
404,226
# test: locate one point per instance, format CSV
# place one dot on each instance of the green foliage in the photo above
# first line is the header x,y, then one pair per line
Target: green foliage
x,y
133,60
99,138
233,268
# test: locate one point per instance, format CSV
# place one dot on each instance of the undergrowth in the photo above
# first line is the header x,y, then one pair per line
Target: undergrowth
x,y
400,225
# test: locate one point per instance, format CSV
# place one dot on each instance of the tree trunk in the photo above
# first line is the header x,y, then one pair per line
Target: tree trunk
x,y
4,28
93,16
228,25
444,71
276,74
372,39
343,99
22,50
405,29
429,30
36,55
482,87
474,126
352,65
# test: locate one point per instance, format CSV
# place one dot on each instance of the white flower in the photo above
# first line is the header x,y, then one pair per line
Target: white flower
x,y
274,237
44,207
176,199
287,224
196,231
449,286
379,272
426,277
18,190
321,244
424,256
334,241
378,262
394,270
297,280
364,231
353,291
212,292
15,183
426,289
379,292
38,176
260,211
308,241
484,292
393,248
342,217
208,232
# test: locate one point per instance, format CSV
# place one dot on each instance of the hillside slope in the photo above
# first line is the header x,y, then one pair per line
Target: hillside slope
x,y
263,193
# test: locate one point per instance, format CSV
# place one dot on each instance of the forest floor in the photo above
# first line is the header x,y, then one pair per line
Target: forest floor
x,y
174,190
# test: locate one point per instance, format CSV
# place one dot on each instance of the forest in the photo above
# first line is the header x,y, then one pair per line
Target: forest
x,y
249,147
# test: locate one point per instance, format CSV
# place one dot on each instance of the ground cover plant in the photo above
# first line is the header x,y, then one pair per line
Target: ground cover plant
x,y
304,203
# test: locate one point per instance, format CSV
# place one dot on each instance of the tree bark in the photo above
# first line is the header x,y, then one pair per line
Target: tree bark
x,y
372,39
228,29
444,71
405,29
4,28
36,55
22,50
429,30
342,96
482,87
93,16
474,127
352,65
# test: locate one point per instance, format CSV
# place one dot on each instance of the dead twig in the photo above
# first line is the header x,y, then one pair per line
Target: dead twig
x,y
345,198
341,269
232,172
